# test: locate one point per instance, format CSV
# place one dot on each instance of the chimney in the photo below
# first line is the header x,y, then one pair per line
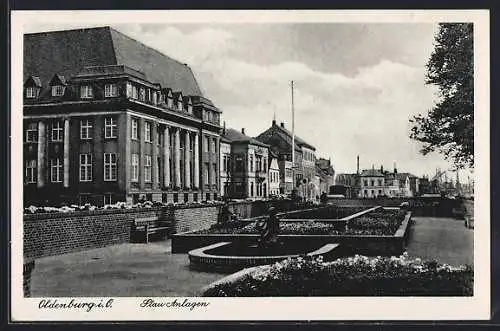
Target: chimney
x,y
224,128
381,168
357,167
243,130
274,122
282,125
395,169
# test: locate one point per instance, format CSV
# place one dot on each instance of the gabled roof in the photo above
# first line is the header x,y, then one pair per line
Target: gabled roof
x,y
67,52
33,81
235,136
286,135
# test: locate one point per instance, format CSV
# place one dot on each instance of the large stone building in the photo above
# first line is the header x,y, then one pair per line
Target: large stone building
x,y
377,182
109,119
280,141
246,174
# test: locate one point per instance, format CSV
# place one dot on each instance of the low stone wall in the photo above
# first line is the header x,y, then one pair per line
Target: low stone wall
x,y
420,206
357,244
250,209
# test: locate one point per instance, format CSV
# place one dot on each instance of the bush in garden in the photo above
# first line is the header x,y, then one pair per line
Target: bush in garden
x,y
352,276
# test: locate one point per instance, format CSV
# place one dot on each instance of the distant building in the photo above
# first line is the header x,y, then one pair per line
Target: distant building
x,y
225,165
246,174
325,174
280,141
274,174
372,183
377,182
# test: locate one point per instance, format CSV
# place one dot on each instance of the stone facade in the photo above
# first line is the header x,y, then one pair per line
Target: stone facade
x,y
101,126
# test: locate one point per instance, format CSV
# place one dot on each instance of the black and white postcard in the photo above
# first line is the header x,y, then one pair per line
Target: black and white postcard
x,y
250,165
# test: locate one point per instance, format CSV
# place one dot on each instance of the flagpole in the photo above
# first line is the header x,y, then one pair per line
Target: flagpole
x,y
293,142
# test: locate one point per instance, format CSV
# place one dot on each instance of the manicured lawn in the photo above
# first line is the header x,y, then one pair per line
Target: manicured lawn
x,y
120,270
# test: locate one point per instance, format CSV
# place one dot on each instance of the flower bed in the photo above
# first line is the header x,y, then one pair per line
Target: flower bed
x,y
352,276
118,205
381,223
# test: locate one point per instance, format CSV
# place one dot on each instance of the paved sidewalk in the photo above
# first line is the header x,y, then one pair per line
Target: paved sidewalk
x,y
446,240
120,270
137,270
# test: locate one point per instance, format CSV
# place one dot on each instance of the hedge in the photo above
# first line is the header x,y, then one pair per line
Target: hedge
x,y
352,276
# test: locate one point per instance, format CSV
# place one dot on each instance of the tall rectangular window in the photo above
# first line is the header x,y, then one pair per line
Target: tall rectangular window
x,y
206,144
251,163
155,98
110,127
214,145
111,90
56,170
57,131
224,163
135,129
110,167
142,94
135,94
31,171
207,174
85,129
32,132
147,132
214,173
129,90
135,167
147,168
86,92
57,90
85,167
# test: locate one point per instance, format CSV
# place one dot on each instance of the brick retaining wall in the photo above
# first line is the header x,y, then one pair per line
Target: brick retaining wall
x,y
59,233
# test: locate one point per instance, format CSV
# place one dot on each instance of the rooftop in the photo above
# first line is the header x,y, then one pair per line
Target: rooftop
x,y
67,52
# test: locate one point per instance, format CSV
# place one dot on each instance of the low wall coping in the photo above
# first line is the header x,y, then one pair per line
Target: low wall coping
x,y
404,225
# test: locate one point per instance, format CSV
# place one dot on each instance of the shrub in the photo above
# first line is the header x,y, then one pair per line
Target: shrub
x,y
352,276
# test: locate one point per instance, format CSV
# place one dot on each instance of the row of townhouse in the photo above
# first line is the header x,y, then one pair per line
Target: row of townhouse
x,y
262,166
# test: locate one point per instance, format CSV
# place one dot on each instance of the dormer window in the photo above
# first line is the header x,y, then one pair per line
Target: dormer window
x,y
150,98
57,90
179,104
33,86
58,84
155,98
188,106
170,102
86,92
32,92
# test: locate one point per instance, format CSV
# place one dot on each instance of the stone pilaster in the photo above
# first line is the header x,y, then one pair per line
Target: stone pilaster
x,y
196,172
177,156
166,156
187,162
66,152
41,155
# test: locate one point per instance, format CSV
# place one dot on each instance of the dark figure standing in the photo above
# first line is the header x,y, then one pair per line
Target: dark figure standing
x,y
269,229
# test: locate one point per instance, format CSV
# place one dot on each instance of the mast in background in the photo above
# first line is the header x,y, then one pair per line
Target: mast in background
x,y
293,141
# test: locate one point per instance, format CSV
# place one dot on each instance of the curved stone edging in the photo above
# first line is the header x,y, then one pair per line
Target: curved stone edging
x,y
199,257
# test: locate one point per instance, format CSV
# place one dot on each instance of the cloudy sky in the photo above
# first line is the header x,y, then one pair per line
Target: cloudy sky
x,y
356,85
